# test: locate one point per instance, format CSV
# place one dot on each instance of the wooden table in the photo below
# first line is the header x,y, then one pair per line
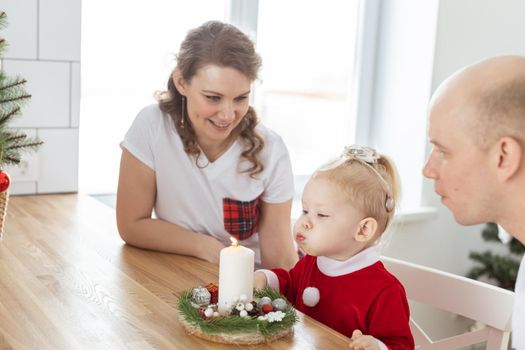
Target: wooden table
x,y
67,281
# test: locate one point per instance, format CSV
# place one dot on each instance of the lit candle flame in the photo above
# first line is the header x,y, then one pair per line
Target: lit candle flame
x,y
235,243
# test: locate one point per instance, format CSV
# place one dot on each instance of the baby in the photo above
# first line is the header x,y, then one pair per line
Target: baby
x,y
341,282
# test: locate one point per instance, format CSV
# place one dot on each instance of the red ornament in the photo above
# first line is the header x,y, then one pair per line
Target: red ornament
x,y
214,291
267,308
5,181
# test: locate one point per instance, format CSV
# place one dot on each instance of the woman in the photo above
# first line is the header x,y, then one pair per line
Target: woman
x,y
202,162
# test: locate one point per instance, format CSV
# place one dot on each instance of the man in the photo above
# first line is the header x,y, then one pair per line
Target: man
x,y
477,129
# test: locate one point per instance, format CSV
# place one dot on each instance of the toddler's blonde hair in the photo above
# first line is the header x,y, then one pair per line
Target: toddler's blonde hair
x,y
371,183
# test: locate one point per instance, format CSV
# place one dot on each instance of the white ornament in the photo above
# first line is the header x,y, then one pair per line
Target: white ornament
x,y
215,314
311,296
248,306
239,306
208,312
243,313
276,316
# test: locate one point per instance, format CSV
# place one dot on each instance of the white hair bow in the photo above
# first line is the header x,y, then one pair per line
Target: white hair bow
x,y
369,156
362,153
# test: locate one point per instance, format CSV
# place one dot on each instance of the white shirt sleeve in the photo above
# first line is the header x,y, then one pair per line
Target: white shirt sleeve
x,y
381,345
140,138
279,176
271,278
518,316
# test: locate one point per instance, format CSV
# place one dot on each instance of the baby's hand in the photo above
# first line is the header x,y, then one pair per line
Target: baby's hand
x,y
363,342
259,280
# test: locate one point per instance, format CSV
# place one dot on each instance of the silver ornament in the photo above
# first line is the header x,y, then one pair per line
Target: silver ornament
x,y
264,300
201,296
279,304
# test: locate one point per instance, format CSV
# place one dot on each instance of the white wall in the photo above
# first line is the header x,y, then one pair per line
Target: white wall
x,y
465,31
44,48
405,55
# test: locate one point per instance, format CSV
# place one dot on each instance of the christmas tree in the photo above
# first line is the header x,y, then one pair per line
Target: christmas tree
x,y
502,269
12,97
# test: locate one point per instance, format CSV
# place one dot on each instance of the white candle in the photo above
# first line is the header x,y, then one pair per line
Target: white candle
x,y
235,275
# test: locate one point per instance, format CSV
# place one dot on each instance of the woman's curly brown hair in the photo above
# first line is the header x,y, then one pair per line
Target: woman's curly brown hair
x,y
226,46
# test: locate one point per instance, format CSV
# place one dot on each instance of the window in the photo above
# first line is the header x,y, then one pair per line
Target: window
x,y
128,52
305,91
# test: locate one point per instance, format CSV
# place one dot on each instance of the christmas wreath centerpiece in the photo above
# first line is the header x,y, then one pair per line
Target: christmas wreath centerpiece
x,y
267,318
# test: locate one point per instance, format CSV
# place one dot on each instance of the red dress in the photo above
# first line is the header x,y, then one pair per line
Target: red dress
x,y
352,297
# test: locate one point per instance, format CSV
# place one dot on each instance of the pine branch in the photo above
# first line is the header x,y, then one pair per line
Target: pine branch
x,y
503,269
30,145
490,232
12,88
10,160
13,84
3,20
15,99
3,24
7,116
516,247
13,102
3,45
15,138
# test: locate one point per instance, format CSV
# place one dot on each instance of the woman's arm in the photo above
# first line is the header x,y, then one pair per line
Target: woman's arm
x,y
135,200
275,236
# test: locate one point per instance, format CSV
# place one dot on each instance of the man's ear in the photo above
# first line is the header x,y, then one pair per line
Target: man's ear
x,y
367,230
178,80
510,156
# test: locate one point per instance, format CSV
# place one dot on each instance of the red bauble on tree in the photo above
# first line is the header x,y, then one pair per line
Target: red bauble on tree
x,y
5,181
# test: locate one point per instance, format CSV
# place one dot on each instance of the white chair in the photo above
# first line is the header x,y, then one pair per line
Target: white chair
x,y
459,295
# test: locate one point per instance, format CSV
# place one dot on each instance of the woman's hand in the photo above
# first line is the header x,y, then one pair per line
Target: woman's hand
x,y
359,341
259,280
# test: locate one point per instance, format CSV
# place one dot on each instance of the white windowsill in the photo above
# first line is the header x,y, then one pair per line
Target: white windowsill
x,y
416,215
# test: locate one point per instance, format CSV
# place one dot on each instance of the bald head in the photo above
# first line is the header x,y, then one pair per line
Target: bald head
x,y
487,99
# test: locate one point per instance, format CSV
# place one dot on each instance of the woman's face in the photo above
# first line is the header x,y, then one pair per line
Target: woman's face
x,y
217,100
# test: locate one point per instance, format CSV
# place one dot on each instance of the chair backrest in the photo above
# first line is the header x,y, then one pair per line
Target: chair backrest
x,y
463,296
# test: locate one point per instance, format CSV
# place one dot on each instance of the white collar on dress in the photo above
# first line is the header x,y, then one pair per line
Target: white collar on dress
x,y
364,258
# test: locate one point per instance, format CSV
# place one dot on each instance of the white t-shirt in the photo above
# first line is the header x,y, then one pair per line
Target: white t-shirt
x,y
197,198
518,315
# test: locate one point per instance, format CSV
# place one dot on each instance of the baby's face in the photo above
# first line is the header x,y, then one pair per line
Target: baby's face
x,y
328,223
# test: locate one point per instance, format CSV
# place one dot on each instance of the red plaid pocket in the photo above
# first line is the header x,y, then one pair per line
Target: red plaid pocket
x,y
241,219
